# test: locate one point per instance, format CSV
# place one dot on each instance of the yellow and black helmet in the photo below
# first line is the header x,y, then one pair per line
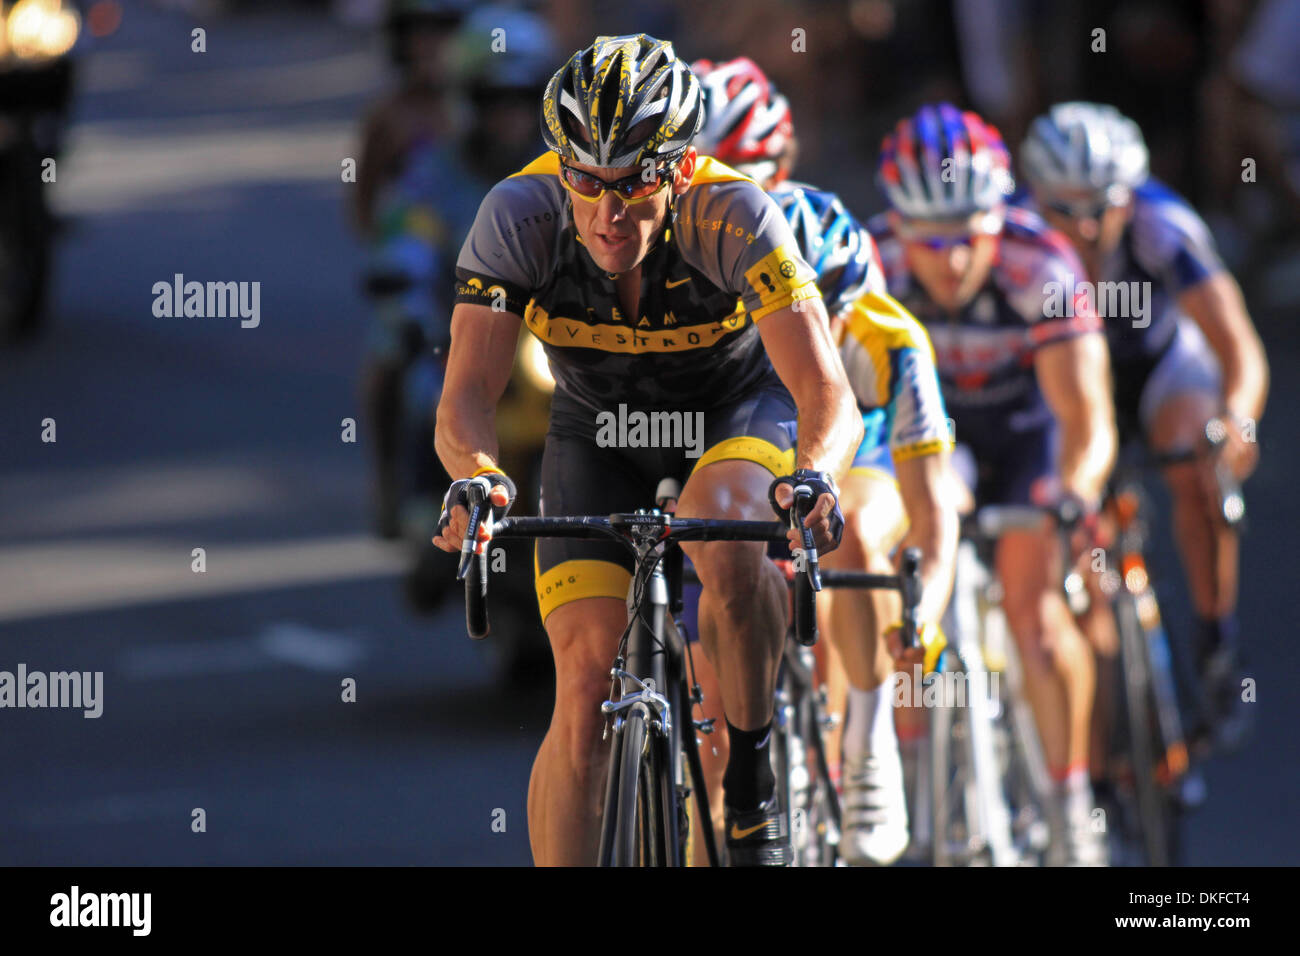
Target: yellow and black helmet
x,y
621,101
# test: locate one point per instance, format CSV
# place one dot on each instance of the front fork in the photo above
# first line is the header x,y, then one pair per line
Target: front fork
x,y
647,655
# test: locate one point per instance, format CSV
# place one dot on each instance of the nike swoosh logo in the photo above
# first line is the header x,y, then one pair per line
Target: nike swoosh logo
x,y
673,285
739,834
766,737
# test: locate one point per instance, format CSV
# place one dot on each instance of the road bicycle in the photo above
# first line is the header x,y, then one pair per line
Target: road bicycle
x,y
984,799
652,736
1156,780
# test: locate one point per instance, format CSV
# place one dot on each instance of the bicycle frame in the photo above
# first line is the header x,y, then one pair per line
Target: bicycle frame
x,y
972,622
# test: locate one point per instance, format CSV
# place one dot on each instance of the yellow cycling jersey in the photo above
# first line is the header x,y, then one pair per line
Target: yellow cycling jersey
x,y
890,364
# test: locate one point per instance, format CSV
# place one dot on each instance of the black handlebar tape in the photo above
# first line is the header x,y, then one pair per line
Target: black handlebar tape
x,y
806,585
910,582
475,568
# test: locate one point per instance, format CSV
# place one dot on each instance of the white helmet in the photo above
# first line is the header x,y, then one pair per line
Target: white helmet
x,y
1085,146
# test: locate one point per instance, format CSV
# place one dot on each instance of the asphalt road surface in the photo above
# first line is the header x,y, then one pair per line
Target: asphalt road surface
x,y
222,690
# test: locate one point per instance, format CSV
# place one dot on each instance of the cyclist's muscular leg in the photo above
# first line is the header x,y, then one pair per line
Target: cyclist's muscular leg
x,y
1058,664
1098,626
875,804
566,789
742,607
874,523
1208,549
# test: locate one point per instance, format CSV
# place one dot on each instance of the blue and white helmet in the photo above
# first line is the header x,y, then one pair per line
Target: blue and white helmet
x,y
833,242
1084,146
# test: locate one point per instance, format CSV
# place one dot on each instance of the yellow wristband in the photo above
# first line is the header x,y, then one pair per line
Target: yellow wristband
x,y
484,471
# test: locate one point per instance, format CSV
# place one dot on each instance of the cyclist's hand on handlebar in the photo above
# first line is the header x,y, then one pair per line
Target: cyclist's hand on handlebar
x,y
930,642
824,518
1079,519
454,520
1241,456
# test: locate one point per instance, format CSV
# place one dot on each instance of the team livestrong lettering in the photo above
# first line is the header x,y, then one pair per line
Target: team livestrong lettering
x,y
716,225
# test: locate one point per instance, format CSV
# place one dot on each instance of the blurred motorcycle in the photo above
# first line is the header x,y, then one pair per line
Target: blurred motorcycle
x,y
36,80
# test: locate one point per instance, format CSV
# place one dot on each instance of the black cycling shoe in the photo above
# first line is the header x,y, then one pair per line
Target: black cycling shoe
x,y
759,837
1230,719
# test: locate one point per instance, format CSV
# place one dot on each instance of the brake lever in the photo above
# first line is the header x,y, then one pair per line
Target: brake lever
x,y
803,495
477,492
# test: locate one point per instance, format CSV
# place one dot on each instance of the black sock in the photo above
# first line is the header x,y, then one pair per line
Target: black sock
x,y
749,780
1213,633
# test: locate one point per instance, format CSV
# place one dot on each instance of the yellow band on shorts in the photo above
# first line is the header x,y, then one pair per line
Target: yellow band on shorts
x,y
748,448
931,447
867,471
575,580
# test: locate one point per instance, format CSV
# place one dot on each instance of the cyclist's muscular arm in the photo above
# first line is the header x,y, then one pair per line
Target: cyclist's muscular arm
x,y
1074,375
1217,306
798,342
478,369
932,519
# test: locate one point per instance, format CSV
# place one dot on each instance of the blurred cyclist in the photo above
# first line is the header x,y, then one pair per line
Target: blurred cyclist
x,y
898,483
420,182
419,35
1028,388
1191,355
747,123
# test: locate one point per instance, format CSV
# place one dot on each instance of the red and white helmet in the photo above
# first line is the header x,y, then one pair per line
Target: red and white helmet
x,y
747,123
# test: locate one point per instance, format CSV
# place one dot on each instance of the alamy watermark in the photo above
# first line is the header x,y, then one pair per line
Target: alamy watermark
x,y
637,429
1112,300
76,908
208,300
75,689
943,689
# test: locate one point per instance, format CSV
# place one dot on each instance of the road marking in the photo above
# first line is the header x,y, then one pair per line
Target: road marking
x,y
284,642
310,648
47,579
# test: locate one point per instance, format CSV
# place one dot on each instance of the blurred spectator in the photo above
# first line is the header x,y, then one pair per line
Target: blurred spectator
x,y
418,108
1251,105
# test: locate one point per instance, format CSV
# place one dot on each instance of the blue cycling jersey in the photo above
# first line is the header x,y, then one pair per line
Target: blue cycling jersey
x,y
1166,249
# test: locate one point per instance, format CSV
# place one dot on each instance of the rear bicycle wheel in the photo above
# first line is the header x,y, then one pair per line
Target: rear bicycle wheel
x,y
822,813
1027,781
950,828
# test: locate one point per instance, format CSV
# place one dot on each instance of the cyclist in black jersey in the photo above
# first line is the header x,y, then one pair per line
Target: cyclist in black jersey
x,y
660,284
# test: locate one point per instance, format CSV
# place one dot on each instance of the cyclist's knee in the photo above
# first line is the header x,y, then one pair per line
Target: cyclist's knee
x,y
584,638
1029,617
729,570
1188,484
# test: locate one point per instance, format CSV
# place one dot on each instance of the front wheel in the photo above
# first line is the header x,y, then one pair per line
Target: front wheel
x,y
630,808
1141,733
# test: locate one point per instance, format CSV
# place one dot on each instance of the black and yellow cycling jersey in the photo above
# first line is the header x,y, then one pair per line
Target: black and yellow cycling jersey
x,y
726,259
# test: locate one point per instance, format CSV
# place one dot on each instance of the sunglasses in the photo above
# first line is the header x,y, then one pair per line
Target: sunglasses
x,y
1083,209
989,225
630,189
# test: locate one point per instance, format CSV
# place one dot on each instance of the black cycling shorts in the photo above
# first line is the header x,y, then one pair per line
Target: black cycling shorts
x,y
588,469
1017,467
